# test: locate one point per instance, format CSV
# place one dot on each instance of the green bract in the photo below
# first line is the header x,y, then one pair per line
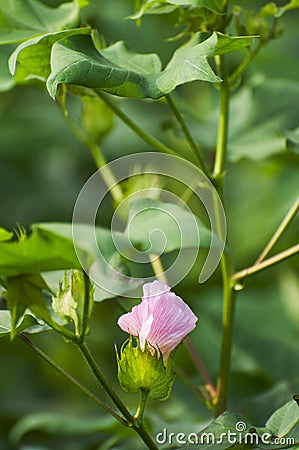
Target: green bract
x,y
145,370
69,304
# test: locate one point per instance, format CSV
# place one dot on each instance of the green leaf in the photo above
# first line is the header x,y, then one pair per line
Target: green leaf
x,y
212,5
284,419
122,56
34,54
62,424
75,60
26,291
23,19
153,7
5,235
42,251
224,43
256,133
100,244
25,322
189,63
177,227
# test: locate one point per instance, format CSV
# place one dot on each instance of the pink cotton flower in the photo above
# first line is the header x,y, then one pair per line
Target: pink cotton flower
x,y
162,319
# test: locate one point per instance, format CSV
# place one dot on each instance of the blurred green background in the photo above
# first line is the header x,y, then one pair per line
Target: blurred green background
x,y
42,170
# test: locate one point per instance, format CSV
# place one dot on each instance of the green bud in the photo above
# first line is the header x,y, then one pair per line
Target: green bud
x,y
269,10
70,302
145,370
97,119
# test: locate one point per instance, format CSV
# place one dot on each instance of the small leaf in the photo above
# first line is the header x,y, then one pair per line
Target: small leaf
x,y
153,7
284,419
212,5
26,291
228,44
23,324
23,19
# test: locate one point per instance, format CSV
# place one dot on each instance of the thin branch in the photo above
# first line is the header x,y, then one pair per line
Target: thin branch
x,y
148,138
200,367
189,138
286,221
266,263
69,377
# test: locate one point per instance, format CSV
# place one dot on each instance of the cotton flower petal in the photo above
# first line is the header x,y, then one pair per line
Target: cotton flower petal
x,y
162,319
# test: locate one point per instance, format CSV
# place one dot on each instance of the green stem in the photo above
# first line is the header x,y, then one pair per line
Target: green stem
x,y
149,139
222,136
141,405
103,381
229,296
69,377
266,263
285,222
228,314
189,138
135,424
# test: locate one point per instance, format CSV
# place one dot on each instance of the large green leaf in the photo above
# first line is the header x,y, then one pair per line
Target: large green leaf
x,y
34,54
177,227
117,70
23,19
75,60
63,425
40,252
99,242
